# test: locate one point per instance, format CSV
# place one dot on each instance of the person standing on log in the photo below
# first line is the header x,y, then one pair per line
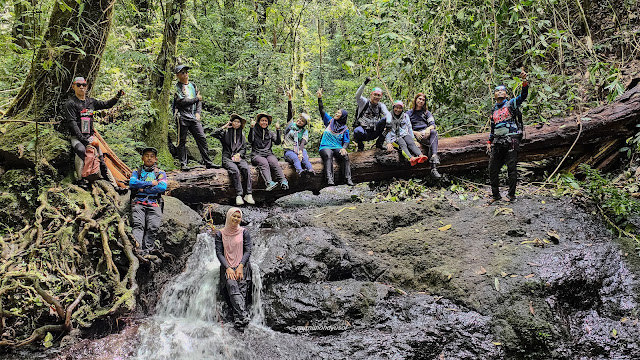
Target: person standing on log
x,y
262,157
504,139
424,129
371,117
296,136
334,142
187,110
79,110
233,249
400,135
147,185
234,150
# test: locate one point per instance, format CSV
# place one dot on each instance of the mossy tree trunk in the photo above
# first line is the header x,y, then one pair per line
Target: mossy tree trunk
x,y
24,28
162,80
72,46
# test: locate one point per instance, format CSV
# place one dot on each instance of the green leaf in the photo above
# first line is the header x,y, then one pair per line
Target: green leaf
x,y
48,340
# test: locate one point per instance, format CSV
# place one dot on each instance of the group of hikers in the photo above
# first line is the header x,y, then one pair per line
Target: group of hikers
x,y
373,121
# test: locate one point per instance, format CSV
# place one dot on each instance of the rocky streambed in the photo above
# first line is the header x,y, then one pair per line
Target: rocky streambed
x,y
433,278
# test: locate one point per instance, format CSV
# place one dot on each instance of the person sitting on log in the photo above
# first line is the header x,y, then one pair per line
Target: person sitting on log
x,y
296,136
334,142
233,249
147,185
371,117
79,110
424,129
233,153
262,157
400,135
505,137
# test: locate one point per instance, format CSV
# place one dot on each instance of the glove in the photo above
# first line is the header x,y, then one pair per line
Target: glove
x,y
120,93
367,80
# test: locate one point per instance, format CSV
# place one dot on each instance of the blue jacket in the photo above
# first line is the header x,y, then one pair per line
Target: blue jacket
x,y
142,182
503,115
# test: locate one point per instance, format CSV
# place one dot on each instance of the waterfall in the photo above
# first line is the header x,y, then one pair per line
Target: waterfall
x,y
187,324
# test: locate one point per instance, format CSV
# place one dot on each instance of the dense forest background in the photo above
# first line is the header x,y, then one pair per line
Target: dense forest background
x,y
246,54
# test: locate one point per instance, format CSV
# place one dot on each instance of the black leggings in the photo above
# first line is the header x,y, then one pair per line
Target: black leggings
x,y
327,159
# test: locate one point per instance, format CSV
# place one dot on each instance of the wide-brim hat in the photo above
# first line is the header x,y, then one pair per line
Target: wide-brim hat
x,y
236,116
261,115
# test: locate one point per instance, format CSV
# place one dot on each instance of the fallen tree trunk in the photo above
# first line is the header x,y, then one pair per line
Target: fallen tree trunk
x,y
457,154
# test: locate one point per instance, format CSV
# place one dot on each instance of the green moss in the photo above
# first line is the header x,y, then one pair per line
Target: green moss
x,y
19,142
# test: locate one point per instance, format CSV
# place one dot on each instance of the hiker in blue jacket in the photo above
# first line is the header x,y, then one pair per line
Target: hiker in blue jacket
x,y
504,140
334,142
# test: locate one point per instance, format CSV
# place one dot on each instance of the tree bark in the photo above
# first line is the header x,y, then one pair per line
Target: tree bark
x,y
72,46
457,155
162,80
24,29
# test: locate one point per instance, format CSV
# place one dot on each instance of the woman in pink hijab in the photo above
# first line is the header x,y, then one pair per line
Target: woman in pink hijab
x,y
233,248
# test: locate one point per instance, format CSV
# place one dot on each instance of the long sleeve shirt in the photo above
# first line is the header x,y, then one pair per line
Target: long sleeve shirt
x,y
79,115
503,119
335,135
400,127
421,119
262,140
232,141
369,113
247,246
295,138
141,180
186,102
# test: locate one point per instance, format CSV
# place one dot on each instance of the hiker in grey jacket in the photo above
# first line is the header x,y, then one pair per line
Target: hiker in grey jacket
x,y
371,118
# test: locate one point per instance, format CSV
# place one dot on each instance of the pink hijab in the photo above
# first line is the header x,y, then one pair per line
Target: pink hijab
x,y
232,239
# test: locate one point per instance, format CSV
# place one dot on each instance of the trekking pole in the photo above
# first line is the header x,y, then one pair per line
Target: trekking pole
x,y
320,40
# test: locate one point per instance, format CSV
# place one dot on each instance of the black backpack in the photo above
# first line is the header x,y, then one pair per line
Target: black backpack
x,y
158,198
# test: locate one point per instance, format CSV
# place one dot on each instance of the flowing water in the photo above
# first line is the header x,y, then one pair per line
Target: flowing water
x,y
188,320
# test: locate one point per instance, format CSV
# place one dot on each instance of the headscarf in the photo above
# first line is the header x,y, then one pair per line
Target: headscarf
x,y
232,239
339,125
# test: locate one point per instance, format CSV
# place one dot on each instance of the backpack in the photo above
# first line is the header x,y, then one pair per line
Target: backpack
x,y
158,198
516,114
91,167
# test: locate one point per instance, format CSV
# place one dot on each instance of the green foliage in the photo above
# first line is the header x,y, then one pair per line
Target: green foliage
x,y
399,190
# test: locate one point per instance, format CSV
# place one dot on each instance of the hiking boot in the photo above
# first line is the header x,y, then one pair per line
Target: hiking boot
x,y
493,200
414,160
211,166
435,174
330,182
422,158
380,144
360,146
284,185
184,167
239,200
271,185
435,159
511,198
349,182
249,199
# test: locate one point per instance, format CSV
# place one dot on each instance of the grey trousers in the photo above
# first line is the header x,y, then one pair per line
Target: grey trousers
x,y
145,224
267,164
237,291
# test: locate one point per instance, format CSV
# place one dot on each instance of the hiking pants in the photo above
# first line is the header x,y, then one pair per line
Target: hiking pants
x,y
504,150
195,127
361,134
433,141
267,164
237,171
237,291
145,224
327,159
408,147
292,158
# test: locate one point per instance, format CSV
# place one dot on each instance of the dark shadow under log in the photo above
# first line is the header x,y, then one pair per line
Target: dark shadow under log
x,y
457,155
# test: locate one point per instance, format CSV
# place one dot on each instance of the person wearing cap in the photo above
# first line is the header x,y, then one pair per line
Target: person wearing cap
x,y
262,157
400,135
147,185
296,136
334,142
187,109
79,111
234,150
371,117
424,129
504,138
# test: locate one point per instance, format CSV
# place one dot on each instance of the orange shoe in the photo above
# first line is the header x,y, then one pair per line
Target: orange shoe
x,y
422,159
414,160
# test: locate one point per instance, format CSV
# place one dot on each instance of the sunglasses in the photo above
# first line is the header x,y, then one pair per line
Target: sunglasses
x,y
81,84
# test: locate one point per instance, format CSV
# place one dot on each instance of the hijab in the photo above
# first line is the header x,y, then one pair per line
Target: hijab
x,y
339,125
232,239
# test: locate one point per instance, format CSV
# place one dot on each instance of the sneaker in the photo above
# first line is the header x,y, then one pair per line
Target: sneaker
x,y
330,182
184,167
284,185
435,173
414,160
493,200
422,158
435,159
271,185
211,166
249,199
239,200
349,182
511,198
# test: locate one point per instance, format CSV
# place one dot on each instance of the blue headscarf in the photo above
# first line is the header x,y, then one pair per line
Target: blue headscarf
x,y
338,126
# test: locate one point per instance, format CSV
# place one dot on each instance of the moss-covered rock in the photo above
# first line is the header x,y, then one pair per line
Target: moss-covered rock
x,y
18,144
